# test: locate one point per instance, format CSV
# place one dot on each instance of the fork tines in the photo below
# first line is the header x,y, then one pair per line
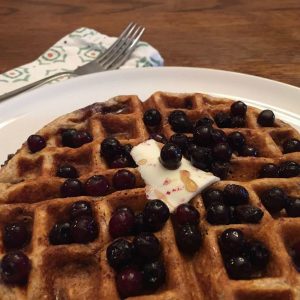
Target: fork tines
x,y
120,50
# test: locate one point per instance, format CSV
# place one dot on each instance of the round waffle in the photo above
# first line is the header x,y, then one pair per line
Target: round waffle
x,y
30,190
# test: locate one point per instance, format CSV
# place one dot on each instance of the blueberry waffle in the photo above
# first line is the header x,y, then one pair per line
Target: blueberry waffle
x,y
76,224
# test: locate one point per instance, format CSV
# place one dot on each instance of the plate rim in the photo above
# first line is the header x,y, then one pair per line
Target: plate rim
x,y
24,105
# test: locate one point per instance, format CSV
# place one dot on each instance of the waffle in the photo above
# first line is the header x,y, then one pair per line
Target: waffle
x,y
30,191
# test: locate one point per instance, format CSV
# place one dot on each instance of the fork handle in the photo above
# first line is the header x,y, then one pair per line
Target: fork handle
x,y
33,85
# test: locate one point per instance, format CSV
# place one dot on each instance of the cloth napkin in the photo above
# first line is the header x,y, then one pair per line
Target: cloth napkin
x,y
73,50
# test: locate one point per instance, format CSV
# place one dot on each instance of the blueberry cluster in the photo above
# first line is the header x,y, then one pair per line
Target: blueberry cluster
x,y
186,220
285,169
115,154
209,149
15,265
243,259
81,226
230,206
75,138
275,199
123,221
137,263
234,118
291,145
98,185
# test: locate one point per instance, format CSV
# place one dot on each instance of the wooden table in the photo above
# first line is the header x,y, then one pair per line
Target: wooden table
x,y
251,36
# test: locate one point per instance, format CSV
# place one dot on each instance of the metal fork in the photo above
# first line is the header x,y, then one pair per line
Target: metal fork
x,y
114,57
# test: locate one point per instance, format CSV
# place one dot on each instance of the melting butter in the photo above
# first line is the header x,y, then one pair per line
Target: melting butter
x,y
174,187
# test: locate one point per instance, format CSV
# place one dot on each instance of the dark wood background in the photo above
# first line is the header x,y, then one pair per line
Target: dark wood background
x,y
260,37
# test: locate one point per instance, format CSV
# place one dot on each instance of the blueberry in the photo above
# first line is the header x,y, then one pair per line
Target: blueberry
x,y
266,118
15,268
218,214
201,158
289,169
139,225
238,108
188,238
15,235
232,241
181,140
236,140
187,214
110,147
154,275
155,214
235,194
223,120
220,169
274,199
202,136
152,117
121,161
248,213
66,171
127,148
84,230
291,145
119,253
179,121
123,179
97,185
170,156
211,196
74,139
129,282
218,136
222,152
238,122
60,234
176,113
204,121
146,246
232,215
190,148
293,207
83,137
71,188
248,151
68,137
80,208
36,143
238,267
269,171
259,255
121,222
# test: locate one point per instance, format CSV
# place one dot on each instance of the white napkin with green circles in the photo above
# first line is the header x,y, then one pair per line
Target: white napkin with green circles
x,y
73,50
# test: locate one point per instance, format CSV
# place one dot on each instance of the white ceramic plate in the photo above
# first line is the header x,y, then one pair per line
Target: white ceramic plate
x,y
26,113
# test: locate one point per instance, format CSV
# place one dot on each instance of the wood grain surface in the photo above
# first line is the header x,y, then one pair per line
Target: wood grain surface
x,y
259,37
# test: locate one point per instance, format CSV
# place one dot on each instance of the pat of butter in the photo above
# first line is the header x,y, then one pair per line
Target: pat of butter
x,y
174,187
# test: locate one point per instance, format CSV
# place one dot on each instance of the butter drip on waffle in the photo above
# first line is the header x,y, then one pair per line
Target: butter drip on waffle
x,y
30,190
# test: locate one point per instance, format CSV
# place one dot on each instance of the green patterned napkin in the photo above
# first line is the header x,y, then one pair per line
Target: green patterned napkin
x,y
73,50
